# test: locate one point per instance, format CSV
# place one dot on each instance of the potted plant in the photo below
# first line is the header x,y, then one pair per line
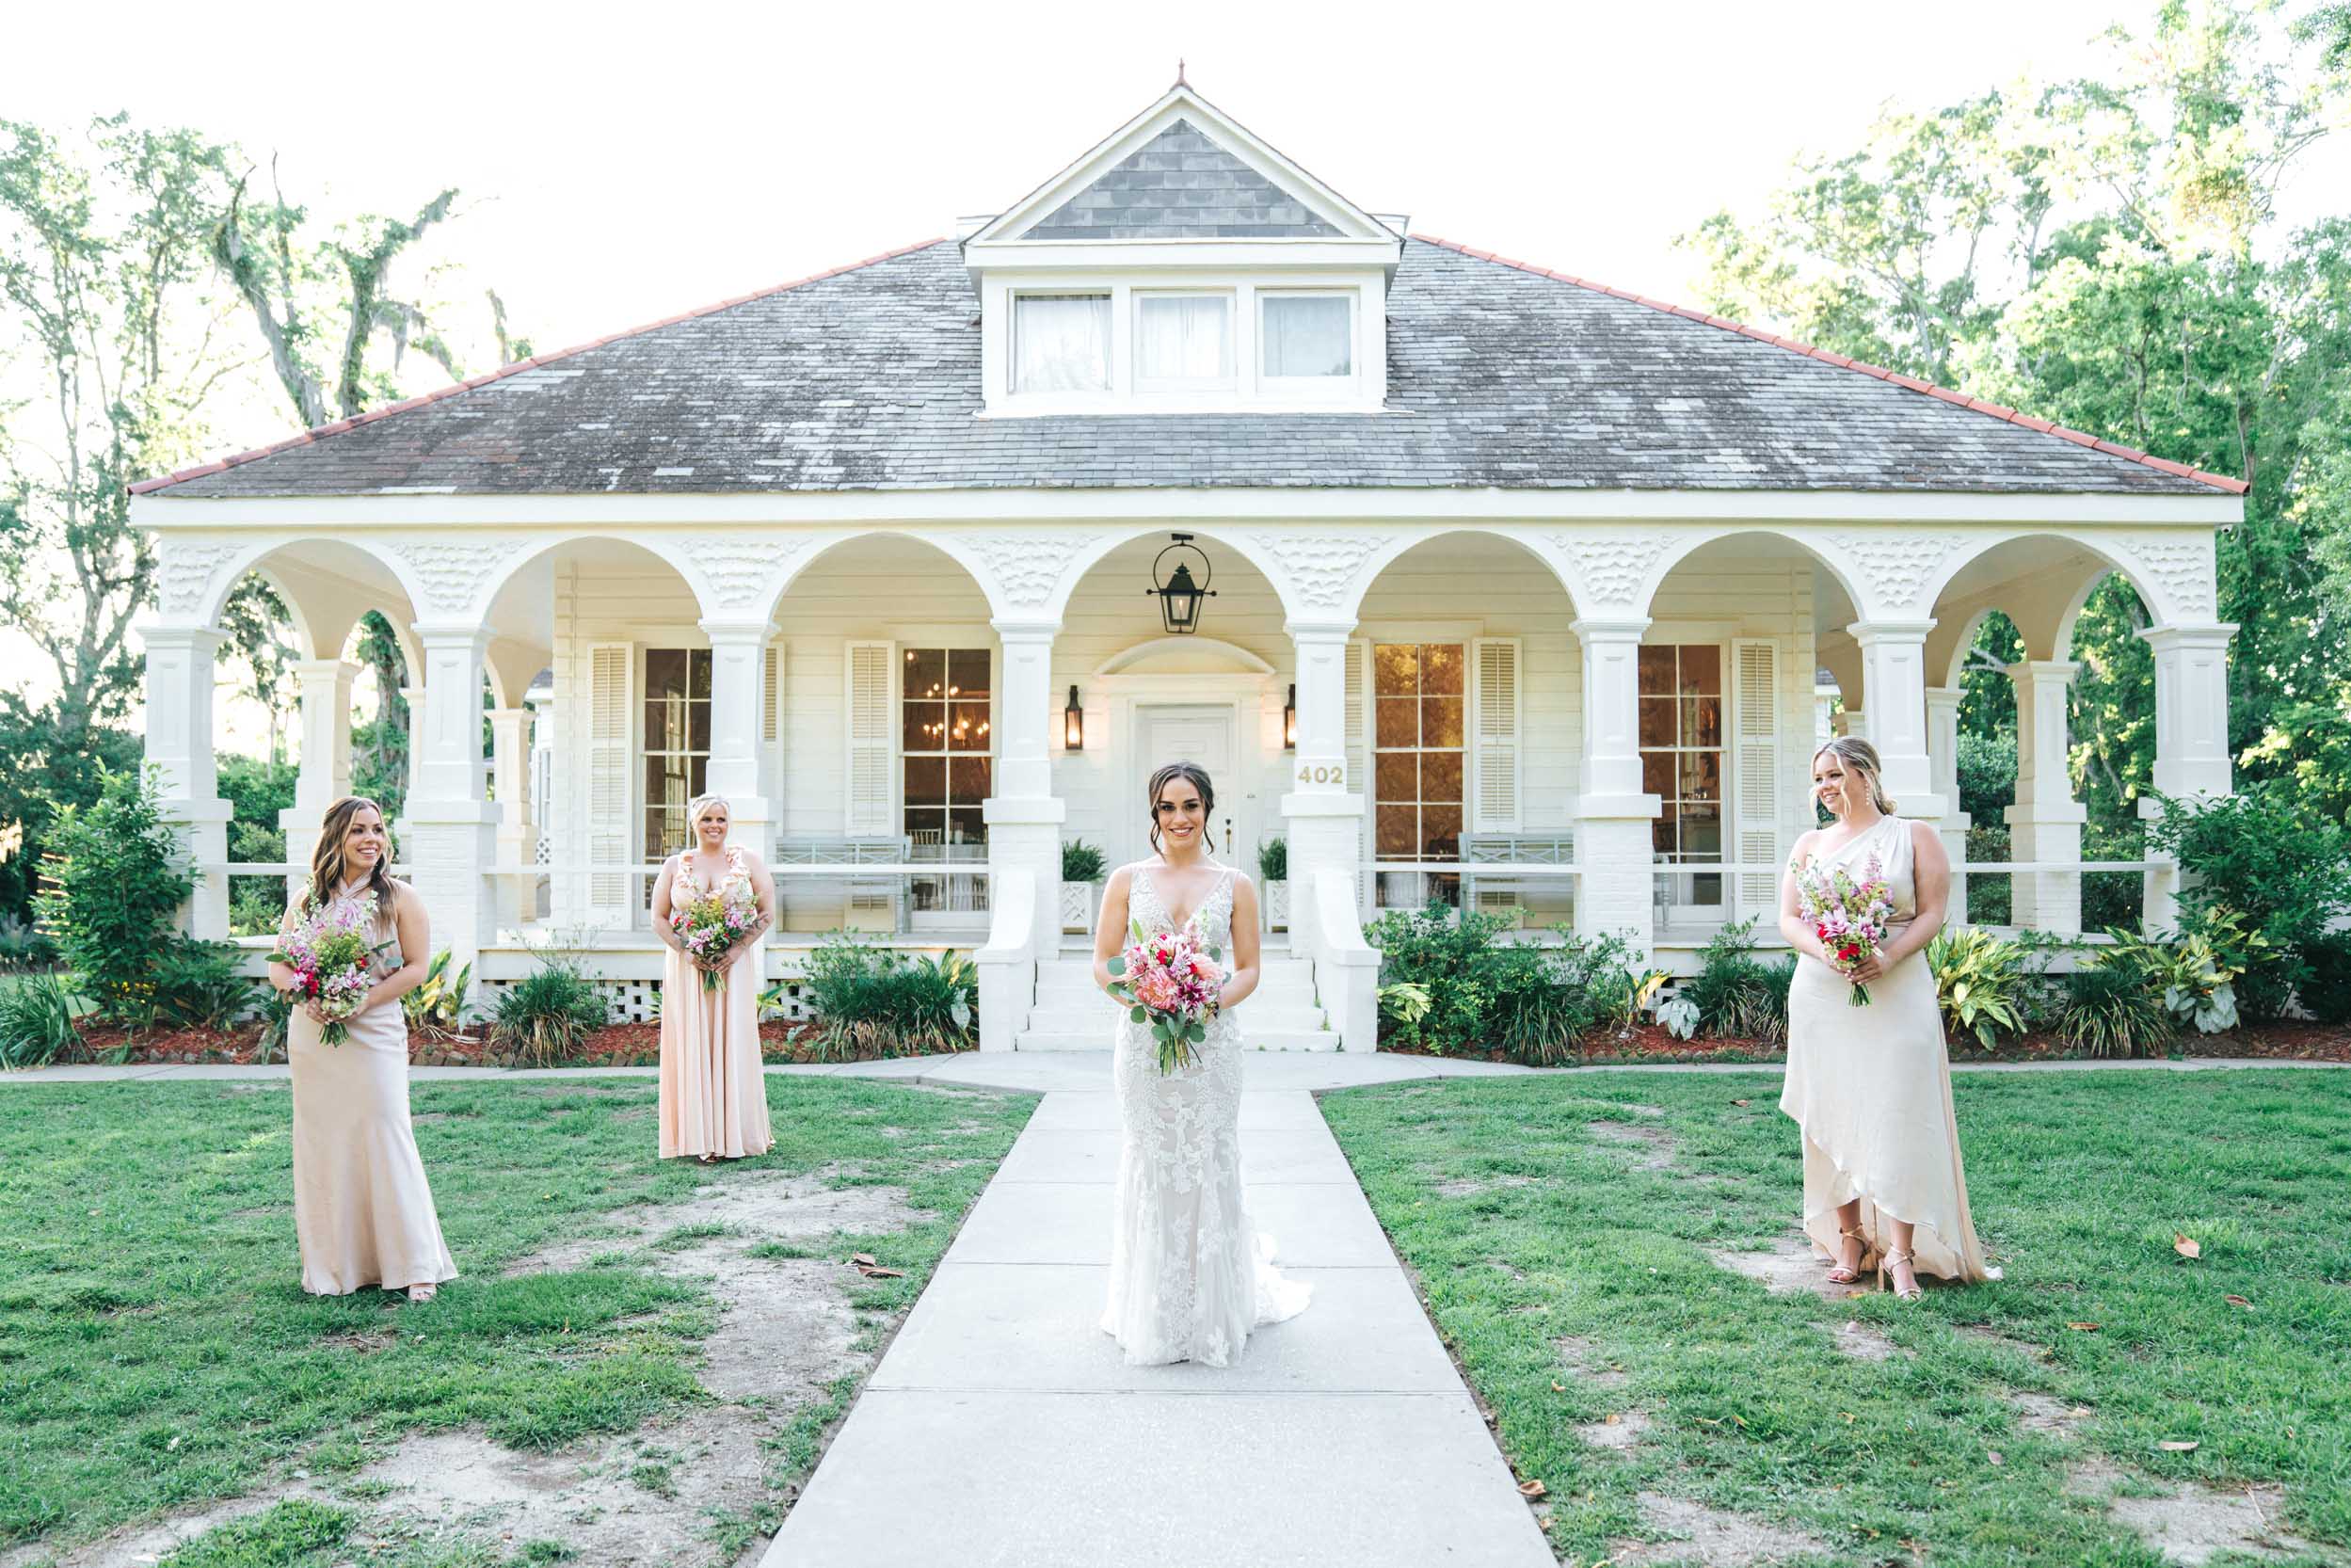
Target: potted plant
x,y
1274,877
1081,884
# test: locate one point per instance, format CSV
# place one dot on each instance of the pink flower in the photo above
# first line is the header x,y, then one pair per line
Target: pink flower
x,y
1157,990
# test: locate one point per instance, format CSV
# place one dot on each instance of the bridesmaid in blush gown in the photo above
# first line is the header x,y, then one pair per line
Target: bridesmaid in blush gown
x,y
713,1098
362,1210
1870,1087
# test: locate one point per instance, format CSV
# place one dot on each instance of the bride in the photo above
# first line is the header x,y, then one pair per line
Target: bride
x,y
1189,1277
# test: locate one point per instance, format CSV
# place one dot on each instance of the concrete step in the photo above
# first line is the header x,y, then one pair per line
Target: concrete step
x,y
1252,1039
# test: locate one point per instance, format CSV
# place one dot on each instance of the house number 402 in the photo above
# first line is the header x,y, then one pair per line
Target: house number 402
x,y
1322,773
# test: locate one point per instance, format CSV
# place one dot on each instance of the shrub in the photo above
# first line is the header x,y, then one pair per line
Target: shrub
x,y
2112,899
277,1014
1462,990
1987,770
1736,994
37,1021
2326,995
2268,853
1981,983
1080,861
1991,895
1274,860
23,947
197,985
2197,973
543,1018
114,884
2112,1007
870,999
437,1006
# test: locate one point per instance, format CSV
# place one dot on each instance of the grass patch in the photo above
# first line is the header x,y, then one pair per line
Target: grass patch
x,y
2079,1182
293,1534
156,1349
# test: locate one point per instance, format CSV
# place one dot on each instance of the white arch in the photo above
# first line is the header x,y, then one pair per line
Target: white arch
x,y
1395,545
795,553
244,556
1822,547
1251,547
507,558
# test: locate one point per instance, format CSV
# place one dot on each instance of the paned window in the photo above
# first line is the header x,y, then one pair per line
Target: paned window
x,y
1681,757
1306,336
677,744
1061,343
1183,340
945,745
1417,749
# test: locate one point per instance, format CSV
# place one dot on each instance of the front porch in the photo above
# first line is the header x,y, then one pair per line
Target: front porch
x,y
1600,725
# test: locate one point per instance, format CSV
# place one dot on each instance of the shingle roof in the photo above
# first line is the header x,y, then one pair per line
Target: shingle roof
x,y
1499,375
1180,184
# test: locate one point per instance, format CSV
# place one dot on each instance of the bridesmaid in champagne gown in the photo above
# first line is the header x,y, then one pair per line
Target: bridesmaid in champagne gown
x,y
1870,1087
713,1097
362,1210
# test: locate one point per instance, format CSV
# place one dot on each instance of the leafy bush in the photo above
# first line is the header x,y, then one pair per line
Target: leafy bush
x,y
1274,860
543,1018
877,1000
23,947
197,985
1981,983
276,1014
2113,1006
2197,973
2268,853
2326,995
114,884
2112,899
1460,989
1405,1001
1080,861
1991,895
1737,995
1987,770
437,1006
37,1021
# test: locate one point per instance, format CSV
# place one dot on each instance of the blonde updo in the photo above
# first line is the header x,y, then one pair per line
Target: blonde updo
x,y
1860,756
700,805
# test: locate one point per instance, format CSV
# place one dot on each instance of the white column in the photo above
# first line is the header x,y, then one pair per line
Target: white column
x,y
738,768
1323,822
2045,823
451,827
517,826
1942,751
1856,724
1024,819
325,772
2191,738
414,697
1894,673
180,743
1616,892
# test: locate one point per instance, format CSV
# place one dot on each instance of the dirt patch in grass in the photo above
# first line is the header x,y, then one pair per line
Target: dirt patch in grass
x,y
2040,1412
1621,1429
1578,1356
2197,1524
1709,1535
1863,1343
1790,1267
1469,1186
1655,1143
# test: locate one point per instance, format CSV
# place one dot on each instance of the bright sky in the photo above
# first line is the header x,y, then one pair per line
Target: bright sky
x,y
620,164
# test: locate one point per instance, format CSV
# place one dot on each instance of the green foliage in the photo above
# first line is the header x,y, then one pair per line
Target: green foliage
x,y
543,1018
23,946
876,1001
2268,854
2114,1005
2112,899
296,1534
46,772
1980,984
256,791
2326,995
2197,975
1080,861
437,1006
1274,860
37,1021
1987,766
1991,895
1406,1002
1452,984
197,985
116,881
1736,995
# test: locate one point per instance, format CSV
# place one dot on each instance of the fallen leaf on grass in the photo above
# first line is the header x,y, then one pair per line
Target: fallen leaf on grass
x,y
870,1269
1613,1419
1531,1489
2238,1301
2184,1245
1995,1457
2083,1328
1558,1388
1742,1102
2176,1448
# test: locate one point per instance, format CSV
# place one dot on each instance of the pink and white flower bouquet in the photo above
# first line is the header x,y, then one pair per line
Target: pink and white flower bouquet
x,y
709,924
332,952
1848,915
1170,979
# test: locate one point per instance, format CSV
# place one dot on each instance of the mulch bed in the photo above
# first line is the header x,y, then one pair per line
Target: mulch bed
x,y
613,1046
1647,1043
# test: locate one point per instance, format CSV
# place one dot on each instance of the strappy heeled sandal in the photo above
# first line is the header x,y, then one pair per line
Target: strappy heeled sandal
x,y
1885,1279
420,1294
1839,1272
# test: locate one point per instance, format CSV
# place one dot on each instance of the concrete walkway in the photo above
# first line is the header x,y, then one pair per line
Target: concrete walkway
x,y
1003,1427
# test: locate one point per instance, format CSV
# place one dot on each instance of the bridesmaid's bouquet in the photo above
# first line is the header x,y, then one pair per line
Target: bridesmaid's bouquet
x,y
709,924
332,958
1848,915
1169,979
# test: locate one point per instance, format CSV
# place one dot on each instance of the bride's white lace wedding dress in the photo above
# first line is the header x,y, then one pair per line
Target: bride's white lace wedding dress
x,y
1189,1277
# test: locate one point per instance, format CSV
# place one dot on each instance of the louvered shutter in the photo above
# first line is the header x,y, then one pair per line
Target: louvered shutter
x,y
1755,667
873,794
1358,766
611,666
1496,749
771,693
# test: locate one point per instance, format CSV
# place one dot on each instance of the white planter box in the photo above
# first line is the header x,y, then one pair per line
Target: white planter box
x,y
1081,903
1277,907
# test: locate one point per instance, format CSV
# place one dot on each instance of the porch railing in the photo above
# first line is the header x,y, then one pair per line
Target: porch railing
x,y
888,898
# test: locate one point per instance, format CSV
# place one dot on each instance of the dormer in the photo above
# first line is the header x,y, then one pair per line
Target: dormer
x,y
1183,266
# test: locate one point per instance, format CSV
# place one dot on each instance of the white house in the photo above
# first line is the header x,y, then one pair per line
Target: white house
x,y
1520,587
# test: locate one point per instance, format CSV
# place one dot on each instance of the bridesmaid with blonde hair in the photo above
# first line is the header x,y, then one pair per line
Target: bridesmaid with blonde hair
x,y
362,1210
1870,1087
713,1099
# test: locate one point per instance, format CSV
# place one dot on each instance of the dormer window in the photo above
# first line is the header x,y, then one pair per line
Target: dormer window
x,y
1183,341
1306,339
1062,342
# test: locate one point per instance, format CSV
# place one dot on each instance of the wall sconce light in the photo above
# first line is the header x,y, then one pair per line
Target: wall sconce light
x,y
1289,720
1074,724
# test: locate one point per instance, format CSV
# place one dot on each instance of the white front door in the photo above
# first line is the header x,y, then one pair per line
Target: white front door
x,y
1169,732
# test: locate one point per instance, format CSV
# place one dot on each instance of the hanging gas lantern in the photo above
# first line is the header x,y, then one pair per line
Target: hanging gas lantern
x,y
1178,591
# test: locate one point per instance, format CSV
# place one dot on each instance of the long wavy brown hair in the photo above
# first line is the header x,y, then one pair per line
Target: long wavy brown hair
x,y
1192,774
328,866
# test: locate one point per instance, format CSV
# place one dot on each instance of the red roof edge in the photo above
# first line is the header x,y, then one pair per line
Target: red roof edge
x,y
337,427
2218,481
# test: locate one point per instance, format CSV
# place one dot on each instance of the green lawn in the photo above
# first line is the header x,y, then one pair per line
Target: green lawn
x,y
2080,1183
156,1350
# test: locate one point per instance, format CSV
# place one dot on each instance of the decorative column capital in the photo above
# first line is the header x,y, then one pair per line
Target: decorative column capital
x,y
2059,670
720,630
1026,629
1609,629
206,640
2212,635
1332,630
453,633
1869,632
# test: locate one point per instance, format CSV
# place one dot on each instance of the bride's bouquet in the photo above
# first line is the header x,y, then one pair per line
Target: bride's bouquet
x,y
1849,916
332,958
1170,980
709,924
